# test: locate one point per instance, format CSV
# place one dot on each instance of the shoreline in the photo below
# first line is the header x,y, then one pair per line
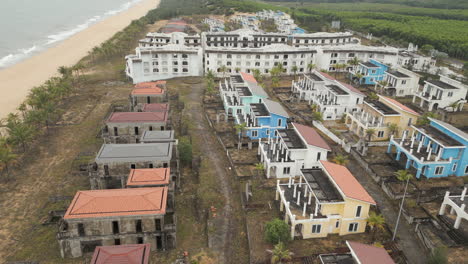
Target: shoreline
x,y
17,80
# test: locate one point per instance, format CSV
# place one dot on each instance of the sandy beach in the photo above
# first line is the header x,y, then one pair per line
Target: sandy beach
x,y
17,80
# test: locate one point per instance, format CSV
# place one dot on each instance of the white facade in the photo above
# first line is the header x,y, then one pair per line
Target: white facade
x,y
162,39
263,59
339,54
415,61
333,98
287,154
400,82
283,21
165,62
442,93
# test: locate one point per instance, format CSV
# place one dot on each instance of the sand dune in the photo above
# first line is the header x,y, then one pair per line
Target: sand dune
x,y
17,80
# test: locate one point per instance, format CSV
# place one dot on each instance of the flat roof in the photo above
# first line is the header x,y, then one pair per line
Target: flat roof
x,y
243,91
259,109
134,152
156,84
336,89
236,78
345,258
137,117
441,84
369,64
291,138
137,253
399,105
397,74
382,108
146,177
440,136
158,136
315,77
322,186
367,254
118,202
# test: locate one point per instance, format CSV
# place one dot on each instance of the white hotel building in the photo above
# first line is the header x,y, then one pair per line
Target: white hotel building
x,y
163,56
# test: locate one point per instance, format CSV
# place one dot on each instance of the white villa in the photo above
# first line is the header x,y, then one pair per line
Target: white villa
x,y
444,93
296,148
414,61
332,98
400,82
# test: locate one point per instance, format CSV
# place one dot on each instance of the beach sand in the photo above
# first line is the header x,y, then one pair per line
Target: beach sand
x,y
17,80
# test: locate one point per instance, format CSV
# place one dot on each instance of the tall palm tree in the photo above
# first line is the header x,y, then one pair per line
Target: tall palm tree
x,y
259,167
354,62
239,130
359,76
237,69
210,75
294,69
7,159
280,254
376,222
223,69
402,175
20,133
311,66
341,159
393,129
373,96
370,132
257,74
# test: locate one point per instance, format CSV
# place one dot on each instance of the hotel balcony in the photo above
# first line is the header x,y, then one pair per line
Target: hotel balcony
x,y
417,151
427,96
272,153
365,120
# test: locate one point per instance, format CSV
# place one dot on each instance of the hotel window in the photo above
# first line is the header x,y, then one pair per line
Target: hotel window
x,y
380,134
175,56
410,121
184,70
81,230
268,132
184,63
257,56
280,122
276,57
184,56
316,229
466,169
439,170
257,64
337,224
450,94
358,211
319,155
228,63
254,133
175,70
286,170
175,63
155,56
454,167
353,227
403,82
229,56
351,55
155,70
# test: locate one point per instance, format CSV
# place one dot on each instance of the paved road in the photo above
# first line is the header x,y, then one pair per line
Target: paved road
x,y
408,241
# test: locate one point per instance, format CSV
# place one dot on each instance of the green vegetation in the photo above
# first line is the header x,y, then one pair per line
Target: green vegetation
x,y
280,253
268,25
438,256
277,231
185,151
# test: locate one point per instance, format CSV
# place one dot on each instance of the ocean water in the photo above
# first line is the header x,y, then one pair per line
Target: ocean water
x,y
30,26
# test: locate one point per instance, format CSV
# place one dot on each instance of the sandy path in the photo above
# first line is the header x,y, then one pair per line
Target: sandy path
x,y
17,80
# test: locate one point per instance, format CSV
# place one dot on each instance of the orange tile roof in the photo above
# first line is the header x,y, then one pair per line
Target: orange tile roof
x,y
311,136
367,254
123,254
248,77
118,202
157,176
148,91
400,105
137,117
155,107
346,182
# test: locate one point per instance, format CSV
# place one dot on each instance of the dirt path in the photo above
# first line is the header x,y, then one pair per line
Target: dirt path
x,y
226,227
408,241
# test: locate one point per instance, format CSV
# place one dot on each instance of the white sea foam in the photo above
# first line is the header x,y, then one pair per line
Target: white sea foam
x,y
10,59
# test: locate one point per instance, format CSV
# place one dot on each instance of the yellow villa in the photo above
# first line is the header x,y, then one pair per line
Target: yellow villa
x,y
325,200
385,116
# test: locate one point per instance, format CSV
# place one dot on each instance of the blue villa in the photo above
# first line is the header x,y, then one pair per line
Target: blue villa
x,y
264,119
372,72
435,150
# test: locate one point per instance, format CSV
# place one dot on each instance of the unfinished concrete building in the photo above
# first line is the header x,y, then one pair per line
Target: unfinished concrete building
x,y
122,254
113,162
147,93
118,217
156,177
158,136
127,127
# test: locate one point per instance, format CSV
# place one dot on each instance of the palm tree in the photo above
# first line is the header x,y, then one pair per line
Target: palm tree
x,y
237,69
257,74
376,222
354,62
382,84
210,75
64,71
454,105
424,120
210,87
313,107
239,130
359,77
310,66
393,129
259,167
294,69
373,96
7,159
370,132
341,159
223,69
20,133
280,254
318,116
339,67
402,175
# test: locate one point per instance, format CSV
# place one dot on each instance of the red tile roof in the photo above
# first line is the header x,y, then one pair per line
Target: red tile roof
x,y
123,254
155,107
157,176
137,117
400,105
311,136
248,77
350,87
346,182
118,202
148,91
367,254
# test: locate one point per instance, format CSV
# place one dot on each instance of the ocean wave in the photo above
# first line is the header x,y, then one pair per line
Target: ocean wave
x,y
20,54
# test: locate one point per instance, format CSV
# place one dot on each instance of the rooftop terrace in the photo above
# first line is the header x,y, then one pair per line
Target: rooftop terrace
x,y
259,109
382,108
442,84
321,185
336,89
291,138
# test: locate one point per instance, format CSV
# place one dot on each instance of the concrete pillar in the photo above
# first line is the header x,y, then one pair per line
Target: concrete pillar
x,y
398,154
407,164
444,205
304,210
458,220
298,202
463,194
295,189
